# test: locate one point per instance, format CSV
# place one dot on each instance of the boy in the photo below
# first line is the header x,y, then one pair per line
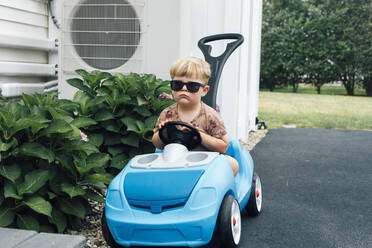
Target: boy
x,y
190,76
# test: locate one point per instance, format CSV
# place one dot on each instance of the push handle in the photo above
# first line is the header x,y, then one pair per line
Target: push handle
x,y
217,63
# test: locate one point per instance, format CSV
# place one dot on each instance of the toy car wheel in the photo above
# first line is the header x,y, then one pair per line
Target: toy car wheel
x,y
254,205
229,224
107,234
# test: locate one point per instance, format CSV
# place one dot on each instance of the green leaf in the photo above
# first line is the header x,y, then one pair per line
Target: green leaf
x,y
132,140
57,126
59,220
33,182
142,110
140,125
99,177
82,98
51,195
111,126
75,133
119,161
83,73
72,206
39,205
151,121
6,216
78,83
55,114
104,115
141,100
96,101
10,191
147,134
72,190
27,222
115,150
29,100
97,160
112,139
6,146
66,162
11,172
83,122
96,139
130,123
37,150
94,196
77,145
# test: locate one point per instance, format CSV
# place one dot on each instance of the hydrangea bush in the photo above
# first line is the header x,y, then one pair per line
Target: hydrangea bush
x,y
57,155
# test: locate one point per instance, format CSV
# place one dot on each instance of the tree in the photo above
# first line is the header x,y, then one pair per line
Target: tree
x,y
282,43
365,62
319,68
317,41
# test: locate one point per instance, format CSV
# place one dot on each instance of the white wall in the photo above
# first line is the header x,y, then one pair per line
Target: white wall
x,y
172,30
238,87
25,46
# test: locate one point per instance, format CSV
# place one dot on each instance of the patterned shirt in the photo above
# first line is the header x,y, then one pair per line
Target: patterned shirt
x,y
207,120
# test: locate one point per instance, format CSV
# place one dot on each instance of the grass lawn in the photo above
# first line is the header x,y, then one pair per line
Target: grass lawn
x,y
313,110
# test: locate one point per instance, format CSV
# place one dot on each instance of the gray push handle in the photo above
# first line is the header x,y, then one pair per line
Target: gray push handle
x,y
217,63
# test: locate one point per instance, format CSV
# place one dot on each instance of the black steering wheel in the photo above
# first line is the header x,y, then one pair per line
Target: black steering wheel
x,y
189,138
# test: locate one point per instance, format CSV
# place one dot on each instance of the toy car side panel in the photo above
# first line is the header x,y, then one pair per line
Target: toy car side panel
x,y
245,174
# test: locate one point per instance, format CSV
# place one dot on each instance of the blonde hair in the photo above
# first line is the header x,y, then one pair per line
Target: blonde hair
x,y
189,67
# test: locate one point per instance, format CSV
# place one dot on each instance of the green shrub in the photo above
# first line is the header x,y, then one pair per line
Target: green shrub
x,y
49,169
125,108
47,173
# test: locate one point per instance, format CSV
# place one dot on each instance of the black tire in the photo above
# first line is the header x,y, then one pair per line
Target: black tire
x,y
107,233
224,230
254,206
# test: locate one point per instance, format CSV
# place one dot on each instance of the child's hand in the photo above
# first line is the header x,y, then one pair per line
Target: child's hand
x,y
163,123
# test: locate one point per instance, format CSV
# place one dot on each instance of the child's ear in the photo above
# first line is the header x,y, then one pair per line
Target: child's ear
x,y
205,90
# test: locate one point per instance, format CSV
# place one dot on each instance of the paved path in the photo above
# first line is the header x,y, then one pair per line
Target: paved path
x,y
15,238
317,188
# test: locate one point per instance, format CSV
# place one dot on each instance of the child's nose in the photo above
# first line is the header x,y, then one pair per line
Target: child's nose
x,y
184,87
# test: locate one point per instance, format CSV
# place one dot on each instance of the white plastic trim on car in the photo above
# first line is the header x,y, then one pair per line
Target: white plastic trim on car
x,y
173,157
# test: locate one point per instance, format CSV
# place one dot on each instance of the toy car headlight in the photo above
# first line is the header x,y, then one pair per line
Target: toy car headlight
x,y
205,197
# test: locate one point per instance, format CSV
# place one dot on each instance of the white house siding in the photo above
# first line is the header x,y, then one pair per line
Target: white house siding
x,y
169,29
24,25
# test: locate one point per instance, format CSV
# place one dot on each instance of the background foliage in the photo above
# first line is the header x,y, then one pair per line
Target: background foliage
x,y
317,42
50,169
124,109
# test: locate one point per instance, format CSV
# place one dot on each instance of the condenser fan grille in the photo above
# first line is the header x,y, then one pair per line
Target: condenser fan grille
x,y
105,33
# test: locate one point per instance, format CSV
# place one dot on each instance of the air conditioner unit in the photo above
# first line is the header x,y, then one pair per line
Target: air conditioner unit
x,y
104,35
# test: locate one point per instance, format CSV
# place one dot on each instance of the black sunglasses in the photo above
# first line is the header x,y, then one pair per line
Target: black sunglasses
x,y
192,87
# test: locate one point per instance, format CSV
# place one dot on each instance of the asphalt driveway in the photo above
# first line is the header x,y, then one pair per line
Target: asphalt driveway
x,y
317,188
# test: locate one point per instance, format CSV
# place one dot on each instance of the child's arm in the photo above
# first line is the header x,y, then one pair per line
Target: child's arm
x,y
214,144
156,141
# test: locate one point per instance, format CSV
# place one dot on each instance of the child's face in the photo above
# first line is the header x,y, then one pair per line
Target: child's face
x,y
187,98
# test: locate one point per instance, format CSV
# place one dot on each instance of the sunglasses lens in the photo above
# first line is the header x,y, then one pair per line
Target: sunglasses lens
x,y
176,85
193,87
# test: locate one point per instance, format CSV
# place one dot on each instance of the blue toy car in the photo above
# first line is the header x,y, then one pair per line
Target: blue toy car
x,y
178,197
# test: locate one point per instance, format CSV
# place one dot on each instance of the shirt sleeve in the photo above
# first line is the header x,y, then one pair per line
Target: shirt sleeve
x,y
216,126
162,117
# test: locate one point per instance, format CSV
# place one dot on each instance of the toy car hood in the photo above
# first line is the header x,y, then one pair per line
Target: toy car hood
x,y
164,189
